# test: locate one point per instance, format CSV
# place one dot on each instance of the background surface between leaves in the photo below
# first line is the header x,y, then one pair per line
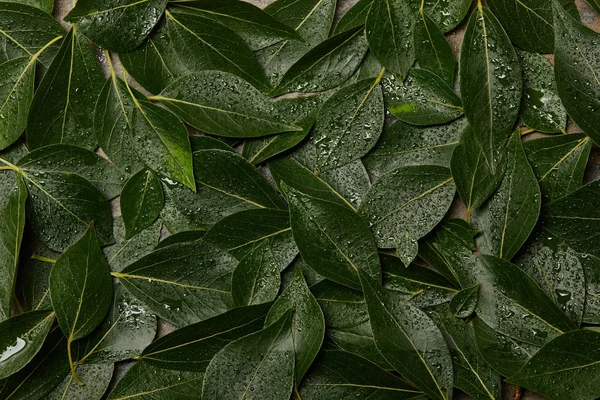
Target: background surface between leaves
x,y
588,17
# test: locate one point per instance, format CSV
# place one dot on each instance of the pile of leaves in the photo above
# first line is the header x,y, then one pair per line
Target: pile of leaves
x,y
284,185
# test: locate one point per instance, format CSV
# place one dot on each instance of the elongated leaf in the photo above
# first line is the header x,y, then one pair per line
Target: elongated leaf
x,y
181,237
338,374
409,340
402,145
423,98
308,323
464,302
60,111
508,217
223,104
145,381
432,49
339,139
44,5
595,4
591,267
12,226
191,348
575,64
355,16
97,376
541,108
390,27
21,337
326,245
327,65
125,251
490,83
408,201
141,202
116,25
257,366
257,278
447,15
475,180
565,368
33,289
193,288
8,178
254,25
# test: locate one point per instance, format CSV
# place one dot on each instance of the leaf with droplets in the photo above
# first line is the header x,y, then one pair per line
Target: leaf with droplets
x,y
432,49
96,376
181,237
447,14
44,5
116,25
591,268
256,279
125,251
464,302
355,16
141,202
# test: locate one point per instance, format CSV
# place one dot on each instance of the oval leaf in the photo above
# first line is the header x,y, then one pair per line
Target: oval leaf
x,y
141,202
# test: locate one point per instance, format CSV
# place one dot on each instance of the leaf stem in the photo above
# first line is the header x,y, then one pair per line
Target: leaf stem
x,y
44,259
527,131
50,43
378,79
297,393
71,365
10,165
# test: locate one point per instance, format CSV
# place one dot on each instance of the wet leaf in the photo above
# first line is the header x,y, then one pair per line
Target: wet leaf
x,y
355,16
44,5
96,376
464,302
256,279
591,310
181,237
423,98
141,202
125,251
33,283
490,83
116,25
183,283
257,366
432,49
21,337
447,14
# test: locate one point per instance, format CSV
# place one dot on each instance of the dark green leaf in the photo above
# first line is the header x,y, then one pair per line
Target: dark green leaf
x,y
508,217
96,378
223,104
402,145
409,340
355,16
21,337
8,178
349,124
258,366
464,302
432,49
327,65
541,108
141,202
447,14
565,368
335,252
591,310
423,98
181,237
126,251
558,163
340,375
308,323
204,142
33,282
256,279
490,83
183,283
191,348
12,226
44,5
390,27
62,105
116,25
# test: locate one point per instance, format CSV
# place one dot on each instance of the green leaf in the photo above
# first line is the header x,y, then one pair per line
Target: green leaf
x,y
355,16
116,25
471,373
12,226
390,27
349,124
141,202
407,201
423,98
490,83
541,108
182,283
409,340
447,15
565,368
67,158
575,65
508,217
222,104
126,251
464,302
96,376
254,25
191,348
62,105
402,145
308,323
475,180
256,279
432,49
327,65
502,353
8,178
335,252
558,163
181,237
32,289
591,267
338,375
311,19
21,337
44,5
144,381
81,289
260,365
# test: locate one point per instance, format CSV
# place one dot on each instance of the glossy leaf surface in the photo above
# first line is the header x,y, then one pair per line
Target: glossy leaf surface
x,y
141,202
256,279
432,49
